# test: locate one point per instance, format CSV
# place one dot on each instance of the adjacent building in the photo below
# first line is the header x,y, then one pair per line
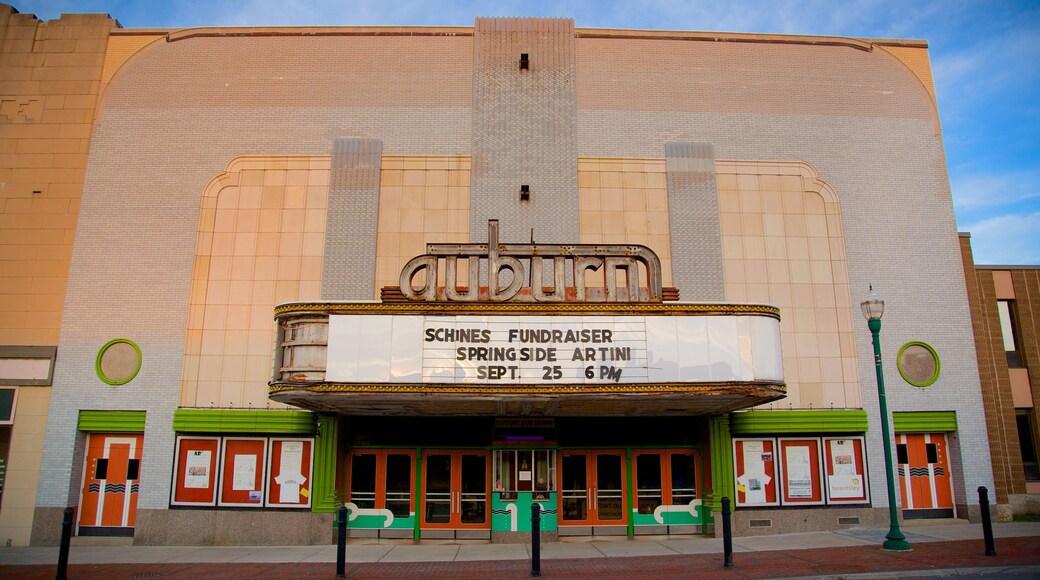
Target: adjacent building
x,y
440,274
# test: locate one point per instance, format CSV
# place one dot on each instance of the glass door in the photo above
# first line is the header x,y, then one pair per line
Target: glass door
x,y
592,487
380,485
455,489
665,479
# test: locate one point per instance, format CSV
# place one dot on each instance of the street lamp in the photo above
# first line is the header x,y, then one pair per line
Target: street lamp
x,y
873,307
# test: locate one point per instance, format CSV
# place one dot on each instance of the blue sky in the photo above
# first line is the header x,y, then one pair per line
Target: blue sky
x,y
985,60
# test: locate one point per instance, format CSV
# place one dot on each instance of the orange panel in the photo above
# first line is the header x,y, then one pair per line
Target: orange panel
x,y
109,496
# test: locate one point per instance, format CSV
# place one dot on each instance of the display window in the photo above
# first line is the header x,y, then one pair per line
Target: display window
x,y
289,473
800,478
754,463
846,470
242,481
532,470
195,471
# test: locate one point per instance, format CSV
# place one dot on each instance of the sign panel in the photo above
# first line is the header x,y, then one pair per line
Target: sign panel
x,y
195,471
467,349
755,467
800,479
846,470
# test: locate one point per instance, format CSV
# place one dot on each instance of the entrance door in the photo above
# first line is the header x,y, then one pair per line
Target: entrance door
x,y
666,486
111,476
592,488
381,486
455,489
924,475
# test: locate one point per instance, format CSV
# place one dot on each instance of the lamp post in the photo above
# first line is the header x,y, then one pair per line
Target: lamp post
x,y
873,307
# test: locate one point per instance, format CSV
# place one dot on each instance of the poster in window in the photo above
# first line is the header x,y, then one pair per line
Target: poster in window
x,y
242,481
195,471
755,466
800,478
846,470
289,472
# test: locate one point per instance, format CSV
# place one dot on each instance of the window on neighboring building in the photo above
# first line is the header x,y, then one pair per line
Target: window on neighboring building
x,y
1027,443
1006,311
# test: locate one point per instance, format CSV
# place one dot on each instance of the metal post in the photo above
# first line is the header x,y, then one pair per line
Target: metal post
x,y
341,543
63,550
727,535
894,540
987,523
536,539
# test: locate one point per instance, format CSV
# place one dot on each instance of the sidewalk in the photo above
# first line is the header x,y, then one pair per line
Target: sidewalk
x,y
946,549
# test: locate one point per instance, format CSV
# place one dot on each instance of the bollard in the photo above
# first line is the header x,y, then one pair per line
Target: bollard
x,y
63,551
536,539
727,535
987,524
341,543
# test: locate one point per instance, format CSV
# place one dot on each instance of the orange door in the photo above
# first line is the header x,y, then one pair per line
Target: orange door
x,y
924,475
664,478
381,479
592,488
111,476
455,489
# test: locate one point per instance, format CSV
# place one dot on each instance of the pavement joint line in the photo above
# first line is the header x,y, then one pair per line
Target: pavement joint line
x,y
927,573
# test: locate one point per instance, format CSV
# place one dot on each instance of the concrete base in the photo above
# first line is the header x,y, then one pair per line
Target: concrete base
x,y
1024,503
233,528
46,529
748,522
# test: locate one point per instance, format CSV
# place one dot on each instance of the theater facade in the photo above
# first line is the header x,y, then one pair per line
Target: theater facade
x,y
439,274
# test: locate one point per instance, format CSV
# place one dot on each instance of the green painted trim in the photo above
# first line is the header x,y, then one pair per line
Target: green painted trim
x,y
101,353
416,534
722,485
244,421
324,496
935,356
631,492
924,421
111,421
784,422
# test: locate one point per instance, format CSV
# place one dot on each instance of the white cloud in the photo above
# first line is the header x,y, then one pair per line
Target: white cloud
x,y
974,192
1006,239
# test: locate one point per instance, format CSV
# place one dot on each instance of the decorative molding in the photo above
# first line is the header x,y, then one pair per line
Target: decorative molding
x,y
924,421
111,421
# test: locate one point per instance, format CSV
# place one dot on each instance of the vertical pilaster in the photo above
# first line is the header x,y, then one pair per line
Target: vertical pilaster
x,y
351,219
524,129
325,462
693,209
721,464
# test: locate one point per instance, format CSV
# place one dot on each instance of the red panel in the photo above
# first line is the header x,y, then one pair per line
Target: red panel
x,y
288,448
846,482
750,485
195,475
242,472
801,491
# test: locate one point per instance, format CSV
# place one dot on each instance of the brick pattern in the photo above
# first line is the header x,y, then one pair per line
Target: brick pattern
x,y
693,204
168,129
178,111
997,400
49,86
524,130
353,212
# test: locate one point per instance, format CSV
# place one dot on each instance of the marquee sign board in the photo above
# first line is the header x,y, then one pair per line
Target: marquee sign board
x,y
541,350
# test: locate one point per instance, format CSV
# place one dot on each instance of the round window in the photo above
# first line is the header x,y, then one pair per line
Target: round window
x,y
118,361
918,364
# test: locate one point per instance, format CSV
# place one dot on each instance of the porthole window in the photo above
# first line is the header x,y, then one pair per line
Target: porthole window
x,y
918,364
118,361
